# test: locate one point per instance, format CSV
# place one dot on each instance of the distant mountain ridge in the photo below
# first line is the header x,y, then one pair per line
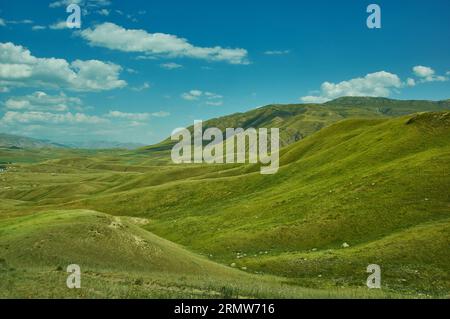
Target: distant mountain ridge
x,y
103,145
15,141
297,121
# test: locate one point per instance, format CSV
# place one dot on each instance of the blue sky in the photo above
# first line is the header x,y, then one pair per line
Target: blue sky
x,y
136,70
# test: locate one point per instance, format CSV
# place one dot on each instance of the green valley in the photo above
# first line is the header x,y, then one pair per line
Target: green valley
x,y
361,181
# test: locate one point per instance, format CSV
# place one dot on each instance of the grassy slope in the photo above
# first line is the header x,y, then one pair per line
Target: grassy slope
x,y
120,259
379,185
297,121
358,182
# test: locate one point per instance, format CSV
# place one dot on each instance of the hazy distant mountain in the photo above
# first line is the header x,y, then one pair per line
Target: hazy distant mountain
x,y
14,141
103,145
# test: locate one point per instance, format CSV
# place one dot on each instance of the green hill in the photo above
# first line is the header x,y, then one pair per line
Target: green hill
x,y
119,259
297,121
378,186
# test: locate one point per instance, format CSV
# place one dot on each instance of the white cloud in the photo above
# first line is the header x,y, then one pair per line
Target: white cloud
x,y
277,52
4,22
427,74
160,114
63,3
410,82
192,95
131,17
77,125
131,71
19,68
314,99
218,103
146,57
85,3
25,21
143,87
129,116
374,84
423,71
60,25
136,117
40,101
209,97
171,66
38,27
12,117
114,37
103,12
212,96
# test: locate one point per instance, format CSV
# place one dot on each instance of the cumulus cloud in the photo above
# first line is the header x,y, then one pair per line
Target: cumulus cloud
x,y
314,99
22,116
19,68
41,101
116,123
114,37
60,25
374,84
427,74
208,97
12,117
171,66
30,116
410,82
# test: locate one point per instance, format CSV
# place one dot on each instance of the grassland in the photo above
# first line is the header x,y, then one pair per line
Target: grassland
x,y
120,259
356,192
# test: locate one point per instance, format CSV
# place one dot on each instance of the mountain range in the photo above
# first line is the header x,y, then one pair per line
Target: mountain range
x,y
15,141
297,121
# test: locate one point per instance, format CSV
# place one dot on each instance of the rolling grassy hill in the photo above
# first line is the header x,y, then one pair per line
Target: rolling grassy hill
x,y
120,259
368,183
297,121
357,192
